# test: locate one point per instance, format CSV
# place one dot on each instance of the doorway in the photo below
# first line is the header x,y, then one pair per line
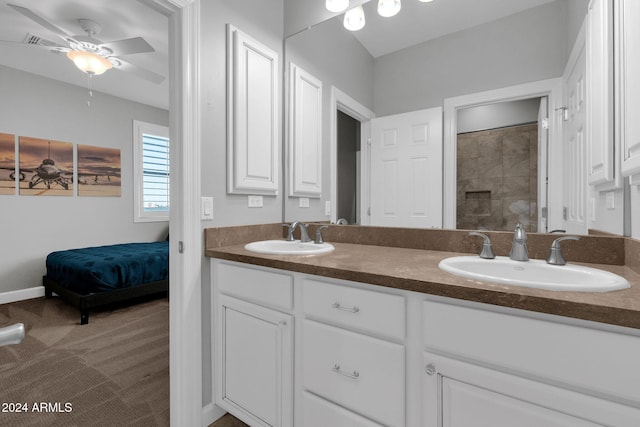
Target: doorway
x,y
500,167
348,173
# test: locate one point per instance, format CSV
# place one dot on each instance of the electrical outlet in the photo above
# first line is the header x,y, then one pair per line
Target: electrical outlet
x,y
327,208
255,201
303,202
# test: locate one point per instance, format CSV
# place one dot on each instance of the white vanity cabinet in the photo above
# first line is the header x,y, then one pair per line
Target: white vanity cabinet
x,y
254,344
294,349
483,368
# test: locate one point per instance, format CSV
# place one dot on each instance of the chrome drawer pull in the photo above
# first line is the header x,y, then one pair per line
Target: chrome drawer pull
x,y
353,376
337,306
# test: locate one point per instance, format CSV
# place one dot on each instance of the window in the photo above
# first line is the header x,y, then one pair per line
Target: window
x,y
151,172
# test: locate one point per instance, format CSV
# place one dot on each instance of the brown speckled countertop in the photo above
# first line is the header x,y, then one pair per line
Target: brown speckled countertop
x,y
417,270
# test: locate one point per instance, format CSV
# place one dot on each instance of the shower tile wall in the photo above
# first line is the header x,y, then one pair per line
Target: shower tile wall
x,y
497,173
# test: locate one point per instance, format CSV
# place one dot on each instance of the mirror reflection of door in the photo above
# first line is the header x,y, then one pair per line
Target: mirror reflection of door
x,y
500,174
348,132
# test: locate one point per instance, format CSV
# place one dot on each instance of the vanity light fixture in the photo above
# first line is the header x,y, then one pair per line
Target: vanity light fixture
x,y
337,5
354,19
388,8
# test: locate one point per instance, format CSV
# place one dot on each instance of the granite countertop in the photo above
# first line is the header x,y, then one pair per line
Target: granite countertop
x,y
417,270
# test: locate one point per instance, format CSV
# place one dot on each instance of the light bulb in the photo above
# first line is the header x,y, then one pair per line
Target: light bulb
x,y
337,5
354,19
388,8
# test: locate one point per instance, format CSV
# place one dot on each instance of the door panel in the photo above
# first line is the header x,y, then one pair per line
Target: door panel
x,y
406,169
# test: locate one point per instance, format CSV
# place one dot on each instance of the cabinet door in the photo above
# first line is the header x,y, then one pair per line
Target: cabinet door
x,y
599,54
628,84
459,394
254,363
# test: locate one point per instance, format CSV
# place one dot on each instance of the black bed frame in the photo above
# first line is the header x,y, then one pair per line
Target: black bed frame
x,y
86,302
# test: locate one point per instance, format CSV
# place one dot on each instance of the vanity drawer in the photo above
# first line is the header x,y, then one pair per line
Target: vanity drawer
x,y
321,413
361,373
255,284
368,311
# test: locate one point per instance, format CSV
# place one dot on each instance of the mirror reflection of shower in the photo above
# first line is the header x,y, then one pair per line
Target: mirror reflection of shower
x,y
500,156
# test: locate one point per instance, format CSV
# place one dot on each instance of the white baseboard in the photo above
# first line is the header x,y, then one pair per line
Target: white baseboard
x,y
22,294
211,413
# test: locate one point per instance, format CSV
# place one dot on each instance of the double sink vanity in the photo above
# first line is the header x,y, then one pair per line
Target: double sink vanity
x,y
370,331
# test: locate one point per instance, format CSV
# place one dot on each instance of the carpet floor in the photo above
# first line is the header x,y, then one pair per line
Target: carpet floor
x,y
112,372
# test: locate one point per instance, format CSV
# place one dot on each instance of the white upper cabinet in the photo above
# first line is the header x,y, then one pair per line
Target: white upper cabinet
x,y
627,16
600,141
253,116
305,133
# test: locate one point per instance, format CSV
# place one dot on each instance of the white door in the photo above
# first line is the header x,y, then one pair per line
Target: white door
x,y
406,169
575,145
543,176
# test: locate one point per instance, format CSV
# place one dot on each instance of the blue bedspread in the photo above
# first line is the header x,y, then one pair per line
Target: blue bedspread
x,y
103,268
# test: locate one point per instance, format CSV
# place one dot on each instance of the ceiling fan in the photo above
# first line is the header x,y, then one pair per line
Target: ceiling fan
x,y
91,55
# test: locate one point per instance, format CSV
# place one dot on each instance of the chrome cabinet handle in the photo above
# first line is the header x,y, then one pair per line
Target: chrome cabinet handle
x,y
337,306
353,376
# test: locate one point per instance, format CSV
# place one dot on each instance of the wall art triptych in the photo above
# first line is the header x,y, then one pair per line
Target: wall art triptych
x,y
46,167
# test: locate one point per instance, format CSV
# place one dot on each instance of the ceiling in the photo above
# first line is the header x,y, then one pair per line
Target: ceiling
x,y
418,22
121,19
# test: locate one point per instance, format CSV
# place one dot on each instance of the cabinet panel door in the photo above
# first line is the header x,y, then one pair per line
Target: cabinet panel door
x,y
254,363
628,90
459,394
253,117
599,92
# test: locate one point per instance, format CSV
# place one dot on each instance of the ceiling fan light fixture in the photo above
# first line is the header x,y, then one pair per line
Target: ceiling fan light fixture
x,y
89,62
337,5
389,8
354,19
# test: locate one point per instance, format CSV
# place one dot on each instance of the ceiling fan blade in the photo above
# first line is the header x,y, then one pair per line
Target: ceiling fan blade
x,y
40,20
128,46
139,71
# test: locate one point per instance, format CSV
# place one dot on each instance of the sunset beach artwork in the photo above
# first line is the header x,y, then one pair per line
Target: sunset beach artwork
x,y
99,171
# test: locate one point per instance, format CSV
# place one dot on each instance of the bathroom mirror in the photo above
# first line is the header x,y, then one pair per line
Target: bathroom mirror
x,y
377,84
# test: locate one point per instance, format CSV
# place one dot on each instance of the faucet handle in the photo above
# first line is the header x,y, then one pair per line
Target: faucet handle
x,y
319,240
289,237
487,249
555,252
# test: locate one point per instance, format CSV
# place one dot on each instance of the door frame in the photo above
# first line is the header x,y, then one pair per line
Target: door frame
x,y
340,101
552,89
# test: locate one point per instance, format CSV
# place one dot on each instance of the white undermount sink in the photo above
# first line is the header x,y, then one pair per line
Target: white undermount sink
x,y
534,274
283,247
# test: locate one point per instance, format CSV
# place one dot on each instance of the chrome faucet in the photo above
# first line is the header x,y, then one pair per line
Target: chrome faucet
x,y
555,252
519,246
304,231
487,249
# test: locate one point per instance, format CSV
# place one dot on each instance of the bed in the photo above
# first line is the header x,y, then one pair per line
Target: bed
x,y
92,277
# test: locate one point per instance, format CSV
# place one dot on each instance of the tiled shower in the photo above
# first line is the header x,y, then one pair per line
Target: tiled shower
x,y
497,173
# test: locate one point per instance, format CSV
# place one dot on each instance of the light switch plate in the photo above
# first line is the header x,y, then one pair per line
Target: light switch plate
x,y
303,202
206,205
327,208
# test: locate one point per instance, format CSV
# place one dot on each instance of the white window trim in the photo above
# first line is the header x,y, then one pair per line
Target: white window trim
x,y
140,128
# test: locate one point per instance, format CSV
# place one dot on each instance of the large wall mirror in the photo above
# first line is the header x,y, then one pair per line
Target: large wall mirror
x,y
500,77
